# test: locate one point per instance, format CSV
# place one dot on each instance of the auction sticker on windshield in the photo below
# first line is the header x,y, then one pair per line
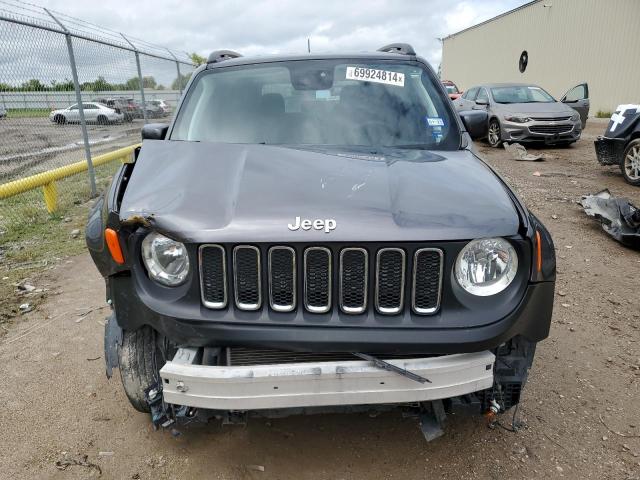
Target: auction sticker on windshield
x,y
365,74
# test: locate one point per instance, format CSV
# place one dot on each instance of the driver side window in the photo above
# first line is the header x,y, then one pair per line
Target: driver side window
x,y
471,94
482,95
576,93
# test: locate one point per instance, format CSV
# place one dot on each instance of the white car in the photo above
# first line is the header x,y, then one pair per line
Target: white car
x,y
93,112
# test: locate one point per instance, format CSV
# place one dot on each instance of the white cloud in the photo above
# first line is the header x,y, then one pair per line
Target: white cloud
x,y
283,26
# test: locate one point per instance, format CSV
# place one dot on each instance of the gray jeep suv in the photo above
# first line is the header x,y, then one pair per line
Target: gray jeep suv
x,y
315,232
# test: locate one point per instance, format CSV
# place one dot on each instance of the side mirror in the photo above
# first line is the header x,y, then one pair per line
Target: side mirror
x,y
482,102
475,123
155,131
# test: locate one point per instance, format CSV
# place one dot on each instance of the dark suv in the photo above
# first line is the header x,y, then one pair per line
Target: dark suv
x,y
316,232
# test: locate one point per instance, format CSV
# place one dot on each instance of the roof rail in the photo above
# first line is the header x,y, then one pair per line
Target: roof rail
x,y
401,48
221,55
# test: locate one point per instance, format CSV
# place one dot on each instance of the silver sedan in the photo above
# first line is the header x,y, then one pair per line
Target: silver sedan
x,y
93,112
525,113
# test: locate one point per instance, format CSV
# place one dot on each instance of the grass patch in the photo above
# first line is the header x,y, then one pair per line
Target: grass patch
x,y
28,112
33,241
602,114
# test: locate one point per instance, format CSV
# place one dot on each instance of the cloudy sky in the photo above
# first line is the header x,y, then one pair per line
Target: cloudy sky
x,y
277,26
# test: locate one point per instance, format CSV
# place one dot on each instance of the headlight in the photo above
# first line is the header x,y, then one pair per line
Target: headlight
x,y
575,117
166,260
517,119
487,266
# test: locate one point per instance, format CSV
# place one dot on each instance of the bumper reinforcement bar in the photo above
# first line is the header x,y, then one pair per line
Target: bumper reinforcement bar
x,y
312,384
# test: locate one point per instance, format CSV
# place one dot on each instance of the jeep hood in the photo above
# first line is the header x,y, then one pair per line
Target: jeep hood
x,y
212,192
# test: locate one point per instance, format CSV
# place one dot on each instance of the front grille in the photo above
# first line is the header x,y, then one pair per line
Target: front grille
x,y
213,278
354,272
551,129
550,119
427,277
317,279
247,287
386,275
390,268
282,279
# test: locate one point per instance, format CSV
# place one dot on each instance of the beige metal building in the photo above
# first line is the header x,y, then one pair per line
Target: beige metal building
x,y
566,42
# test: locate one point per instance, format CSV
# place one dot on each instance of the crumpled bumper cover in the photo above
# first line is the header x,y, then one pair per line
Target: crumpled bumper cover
x,y
609,150
315,384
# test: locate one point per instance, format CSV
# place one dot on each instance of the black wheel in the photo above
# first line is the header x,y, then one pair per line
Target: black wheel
x,y
102,120
630,164
494,135
140,359
60,119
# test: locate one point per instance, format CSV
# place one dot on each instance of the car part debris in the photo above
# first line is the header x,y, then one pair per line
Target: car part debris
x,y
618,216
112,341
432,420
518,152
392,368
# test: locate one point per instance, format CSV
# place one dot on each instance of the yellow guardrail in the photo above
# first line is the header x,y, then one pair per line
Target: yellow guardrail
x,y
47,180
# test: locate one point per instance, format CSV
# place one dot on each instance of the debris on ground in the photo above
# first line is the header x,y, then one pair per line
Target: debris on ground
x,y
25,307
68,460
519,153
75,233
619,218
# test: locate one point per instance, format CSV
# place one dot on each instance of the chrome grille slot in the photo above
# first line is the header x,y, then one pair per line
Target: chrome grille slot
x,y
427,280
213,276
353,281
550,119
317,279
551,129
282,279
246,278
390,273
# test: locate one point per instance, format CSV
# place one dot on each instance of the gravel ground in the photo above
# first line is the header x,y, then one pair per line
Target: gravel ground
x,y
581,405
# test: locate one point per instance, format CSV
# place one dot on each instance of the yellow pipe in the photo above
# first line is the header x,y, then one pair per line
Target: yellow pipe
x,y
47,178
50,196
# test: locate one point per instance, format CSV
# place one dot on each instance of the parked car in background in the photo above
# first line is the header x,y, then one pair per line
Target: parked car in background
x,y
525,112
3,112
128,106
153,110
620,144
452,89
163,105
94,112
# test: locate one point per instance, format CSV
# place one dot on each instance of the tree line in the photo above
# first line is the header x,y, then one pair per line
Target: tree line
x,y
98,85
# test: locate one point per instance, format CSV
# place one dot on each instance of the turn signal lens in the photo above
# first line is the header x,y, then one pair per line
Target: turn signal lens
x,y
113,243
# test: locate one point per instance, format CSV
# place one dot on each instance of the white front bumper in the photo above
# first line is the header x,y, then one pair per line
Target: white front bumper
x,y
321,383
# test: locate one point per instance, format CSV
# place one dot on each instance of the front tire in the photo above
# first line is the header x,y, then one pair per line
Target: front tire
x,y
140,361
494,135
102,120
60,119
630,164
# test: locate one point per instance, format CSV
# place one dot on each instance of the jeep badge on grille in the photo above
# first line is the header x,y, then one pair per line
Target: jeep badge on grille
x,y
318,224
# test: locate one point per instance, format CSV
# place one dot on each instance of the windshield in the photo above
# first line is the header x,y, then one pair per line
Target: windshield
x,y
319,102
521,94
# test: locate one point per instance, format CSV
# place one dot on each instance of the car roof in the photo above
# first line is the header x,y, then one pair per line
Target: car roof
x,y
512,84
312,56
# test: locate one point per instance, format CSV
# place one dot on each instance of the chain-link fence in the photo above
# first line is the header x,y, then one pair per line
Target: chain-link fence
x,y
71,91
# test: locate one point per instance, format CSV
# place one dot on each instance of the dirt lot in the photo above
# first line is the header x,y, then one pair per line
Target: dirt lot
x,y
581,406
32,145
